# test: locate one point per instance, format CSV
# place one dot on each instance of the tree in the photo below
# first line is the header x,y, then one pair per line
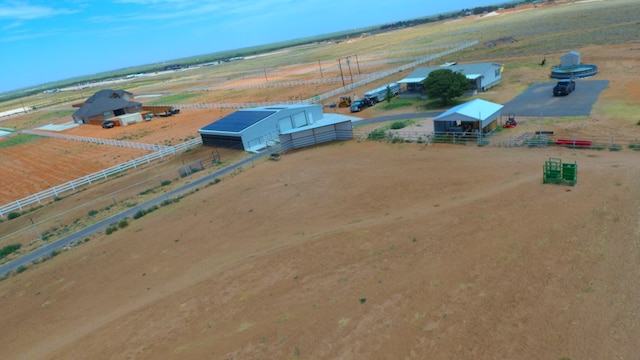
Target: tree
x,y
389,94
445,85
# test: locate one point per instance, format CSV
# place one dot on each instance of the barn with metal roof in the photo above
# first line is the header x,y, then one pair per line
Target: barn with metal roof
x,y
471,116
256,128
481,75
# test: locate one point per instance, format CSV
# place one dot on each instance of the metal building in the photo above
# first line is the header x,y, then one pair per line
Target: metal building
x,y
481,75
473,116
570,59
257,128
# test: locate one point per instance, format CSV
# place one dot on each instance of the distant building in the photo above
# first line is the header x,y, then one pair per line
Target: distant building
x,y
105,105
481,75
570,58
173,67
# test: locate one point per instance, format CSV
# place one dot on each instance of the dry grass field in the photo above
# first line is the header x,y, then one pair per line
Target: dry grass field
x,y
356,249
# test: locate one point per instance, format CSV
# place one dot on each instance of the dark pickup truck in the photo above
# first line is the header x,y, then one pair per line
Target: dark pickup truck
x,y
564,87
360,105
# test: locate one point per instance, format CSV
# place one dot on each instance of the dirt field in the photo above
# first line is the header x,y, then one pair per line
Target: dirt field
x,y
408,250
357,250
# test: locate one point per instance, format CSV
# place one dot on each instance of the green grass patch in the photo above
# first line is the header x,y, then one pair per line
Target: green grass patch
x,y
48,115
173,99
18,140
398,104
397,125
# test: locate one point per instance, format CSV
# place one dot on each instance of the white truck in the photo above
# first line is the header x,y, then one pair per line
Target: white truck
x,y
380,94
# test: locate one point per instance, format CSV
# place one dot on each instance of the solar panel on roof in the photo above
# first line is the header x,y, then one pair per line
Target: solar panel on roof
x,y
238,121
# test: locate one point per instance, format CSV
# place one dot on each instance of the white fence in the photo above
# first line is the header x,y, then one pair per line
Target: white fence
x,y
112,142
57,191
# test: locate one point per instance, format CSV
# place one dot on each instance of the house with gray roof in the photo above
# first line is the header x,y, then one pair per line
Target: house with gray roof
x,y
481,75
104,105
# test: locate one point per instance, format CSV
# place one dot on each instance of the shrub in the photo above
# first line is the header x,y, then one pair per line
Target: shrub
x,y
145,192
93,212
110,229
5,251
634,146
139,214
377,135
615,147
169,202
396,125
20,269
13,215
165,183
123,223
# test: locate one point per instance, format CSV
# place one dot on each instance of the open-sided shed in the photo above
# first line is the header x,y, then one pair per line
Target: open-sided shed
x,y
473,116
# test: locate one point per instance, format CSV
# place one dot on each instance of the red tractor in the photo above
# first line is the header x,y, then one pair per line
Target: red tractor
x,y
511,122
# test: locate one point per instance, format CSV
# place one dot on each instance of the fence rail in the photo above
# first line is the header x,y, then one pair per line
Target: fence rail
x,y
101,141
502,139
57,191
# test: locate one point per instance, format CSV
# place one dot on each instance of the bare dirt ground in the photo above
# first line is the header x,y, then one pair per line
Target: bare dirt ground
x,y
408,250
358,250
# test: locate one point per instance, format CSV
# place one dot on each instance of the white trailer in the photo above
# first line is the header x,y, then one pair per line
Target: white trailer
x,y
380,94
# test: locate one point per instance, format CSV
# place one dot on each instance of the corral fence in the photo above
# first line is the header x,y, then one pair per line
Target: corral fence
x,y
56,192
535,139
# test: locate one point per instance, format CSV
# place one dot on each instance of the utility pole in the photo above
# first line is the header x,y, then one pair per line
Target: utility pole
x,y
358,63
35,228
320,65
341,74
349,65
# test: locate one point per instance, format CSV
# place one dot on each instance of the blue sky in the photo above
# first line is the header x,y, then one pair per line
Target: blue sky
x,y
48,40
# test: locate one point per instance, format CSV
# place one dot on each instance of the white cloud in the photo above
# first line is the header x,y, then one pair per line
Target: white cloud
x,y
24,11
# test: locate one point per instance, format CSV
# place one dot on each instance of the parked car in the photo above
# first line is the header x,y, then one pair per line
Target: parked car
x,y
564,87
108,124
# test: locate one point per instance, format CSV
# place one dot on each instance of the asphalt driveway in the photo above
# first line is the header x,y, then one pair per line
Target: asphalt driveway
x,y
538,100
